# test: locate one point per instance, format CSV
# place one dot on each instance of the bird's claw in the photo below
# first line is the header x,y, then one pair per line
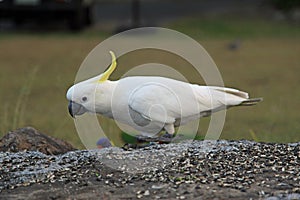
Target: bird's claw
x,y
141,139
167,135
144,141
129,147
166,138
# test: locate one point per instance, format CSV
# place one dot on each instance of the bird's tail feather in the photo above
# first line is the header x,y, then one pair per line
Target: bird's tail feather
x,y
232,91
251,102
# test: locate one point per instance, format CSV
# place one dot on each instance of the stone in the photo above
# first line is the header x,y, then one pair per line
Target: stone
x,y
29,139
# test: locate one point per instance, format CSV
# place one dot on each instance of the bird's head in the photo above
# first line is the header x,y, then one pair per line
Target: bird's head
x,y
82,95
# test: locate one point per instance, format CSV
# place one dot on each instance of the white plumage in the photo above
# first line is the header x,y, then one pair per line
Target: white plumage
x,y
150,104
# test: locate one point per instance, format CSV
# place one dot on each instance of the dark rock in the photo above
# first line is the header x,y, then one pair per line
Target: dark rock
x,y
29,139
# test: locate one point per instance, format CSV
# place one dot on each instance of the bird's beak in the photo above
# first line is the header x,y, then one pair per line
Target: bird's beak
x,y
76,109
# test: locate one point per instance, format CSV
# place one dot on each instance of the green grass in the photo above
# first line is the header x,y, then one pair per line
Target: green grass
x,y
266,65
234,27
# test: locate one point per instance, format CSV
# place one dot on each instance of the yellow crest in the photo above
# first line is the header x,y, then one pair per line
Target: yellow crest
x,y
111,68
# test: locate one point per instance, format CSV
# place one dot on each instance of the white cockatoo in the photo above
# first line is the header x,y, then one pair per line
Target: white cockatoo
x,y
151,104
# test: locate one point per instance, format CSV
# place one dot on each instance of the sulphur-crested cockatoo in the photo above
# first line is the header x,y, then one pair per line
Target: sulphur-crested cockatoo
x,y
150,104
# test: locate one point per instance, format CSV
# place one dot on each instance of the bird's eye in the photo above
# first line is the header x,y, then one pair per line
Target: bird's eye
x,y
84,99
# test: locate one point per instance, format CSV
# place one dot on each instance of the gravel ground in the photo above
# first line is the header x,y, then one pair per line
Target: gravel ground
x,y
189,170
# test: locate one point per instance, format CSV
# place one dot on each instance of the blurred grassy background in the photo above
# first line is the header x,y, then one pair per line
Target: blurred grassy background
x,y
37,69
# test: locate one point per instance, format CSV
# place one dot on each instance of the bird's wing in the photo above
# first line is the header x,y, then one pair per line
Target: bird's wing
x,y
170,101
162,102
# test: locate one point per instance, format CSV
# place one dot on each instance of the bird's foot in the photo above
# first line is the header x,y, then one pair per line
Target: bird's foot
x,y
129,147
168,135
144,141
141,139
165,139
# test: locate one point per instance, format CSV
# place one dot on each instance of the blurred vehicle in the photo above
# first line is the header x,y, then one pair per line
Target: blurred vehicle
x,y
77,13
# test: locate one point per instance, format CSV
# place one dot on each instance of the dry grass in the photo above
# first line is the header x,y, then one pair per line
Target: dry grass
x,y
46,108
265,67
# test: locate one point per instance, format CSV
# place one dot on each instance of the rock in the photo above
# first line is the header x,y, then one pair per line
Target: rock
x,y
29,139
188,170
